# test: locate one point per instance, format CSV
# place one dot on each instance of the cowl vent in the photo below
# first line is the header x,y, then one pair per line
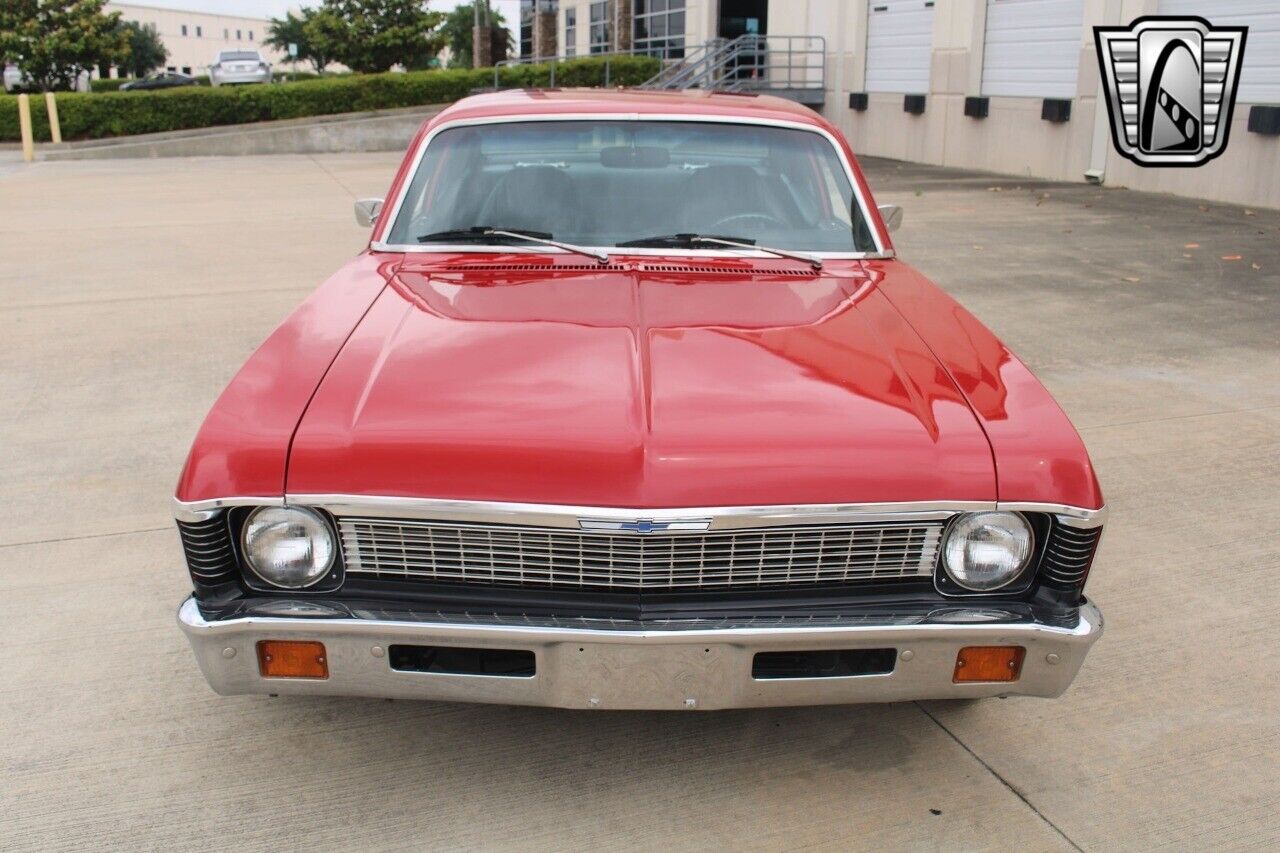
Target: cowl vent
x,y
748,271
535,268
695,269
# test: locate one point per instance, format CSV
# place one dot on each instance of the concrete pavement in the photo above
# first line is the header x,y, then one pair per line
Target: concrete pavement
x,y
130,291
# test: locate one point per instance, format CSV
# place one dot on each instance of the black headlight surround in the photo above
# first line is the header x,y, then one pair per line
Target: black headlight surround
x,y
1026,579
332,580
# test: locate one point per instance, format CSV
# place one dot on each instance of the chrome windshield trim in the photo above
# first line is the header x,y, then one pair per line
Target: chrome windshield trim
x,y
722,518
204,510
614,252
390,220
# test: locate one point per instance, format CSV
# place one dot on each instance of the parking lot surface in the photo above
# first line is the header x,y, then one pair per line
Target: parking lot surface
x,y
130,292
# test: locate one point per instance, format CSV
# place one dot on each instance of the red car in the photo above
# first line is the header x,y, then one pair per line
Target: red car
x,y
629,403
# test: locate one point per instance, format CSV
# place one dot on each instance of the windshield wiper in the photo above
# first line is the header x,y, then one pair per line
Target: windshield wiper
x,y
662,240
485,232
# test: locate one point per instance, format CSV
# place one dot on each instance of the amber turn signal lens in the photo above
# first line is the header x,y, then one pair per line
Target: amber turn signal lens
x,y
292,659
989,663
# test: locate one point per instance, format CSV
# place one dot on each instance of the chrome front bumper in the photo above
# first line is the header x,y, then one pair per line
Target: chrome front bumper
x,y
666,665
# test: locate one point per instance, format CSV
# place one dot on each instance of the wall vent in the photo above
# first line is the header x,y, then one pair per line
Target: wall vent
x,y
1056,110
977,107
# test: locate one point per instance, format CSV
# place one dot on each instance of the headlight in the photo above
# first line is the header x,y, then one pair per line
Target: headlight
x,y
985,551
288,547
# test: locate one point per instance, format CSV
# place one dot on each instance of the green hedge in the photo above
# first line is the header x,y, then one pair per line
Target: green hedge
x,y
113,84
90,115
109,84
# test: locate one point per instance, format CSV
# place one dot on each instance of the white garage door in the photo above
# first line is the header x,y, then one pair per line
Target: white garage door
x,y
1032,48
899,45
1260,75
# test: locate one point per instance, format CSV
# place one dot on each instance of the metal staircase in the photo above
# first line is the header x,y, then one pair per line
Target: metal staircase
x,y
792,67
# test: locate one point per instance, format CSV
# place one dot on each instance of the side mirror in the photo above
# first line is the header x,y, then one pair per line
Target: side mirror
x,y
890,213
367,210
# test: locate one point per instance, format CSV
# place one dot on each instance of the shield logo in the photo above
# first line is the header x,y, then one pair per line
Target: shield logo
x,y
1171,87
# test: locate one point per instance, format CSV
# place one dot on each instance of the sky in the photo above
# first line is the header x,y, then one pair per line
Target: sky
x,y
277,8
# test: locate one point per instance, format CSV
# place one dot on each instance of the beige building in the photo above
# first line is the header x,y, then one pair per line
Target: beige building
x,y
1009,86
193,39
660,27
1031,65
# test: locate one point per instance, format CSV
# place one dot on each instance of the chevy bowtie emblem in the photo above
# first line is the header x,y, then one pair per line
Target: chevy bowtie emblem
x,y
645,525
1171,87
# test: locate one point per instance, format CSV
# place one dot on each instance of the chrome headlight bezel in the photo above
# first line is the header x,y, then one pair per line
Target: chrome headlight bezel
x,y
1018,580
326,578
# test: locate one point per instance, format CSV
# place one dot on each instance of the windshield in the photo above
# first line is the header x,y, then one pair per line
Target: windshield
x,y
605,183
237,55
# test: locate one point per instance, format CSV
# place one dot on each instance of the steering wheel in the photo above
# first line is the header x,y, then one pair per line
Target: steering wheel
x,y
768,220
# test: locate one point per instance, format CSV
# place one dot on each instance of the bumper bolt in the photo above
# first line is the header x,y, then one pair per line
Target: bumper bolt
x,y
908,654
1052,658
228,653
376,651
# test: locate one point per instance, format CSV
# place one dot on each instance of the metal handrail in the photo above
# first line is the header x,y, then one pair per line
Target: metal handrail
x,y
777,62
750,62
744,64
676,75
673,67
552,61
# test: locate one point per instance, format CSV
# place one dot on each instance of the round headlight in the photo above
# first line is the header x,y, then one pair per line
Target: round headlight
x,y
288,547
986,550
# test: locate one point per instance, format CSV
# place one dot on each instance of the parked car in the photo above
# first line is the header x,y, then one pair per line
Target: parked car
x,y
239,66
15,80
630,403
159,80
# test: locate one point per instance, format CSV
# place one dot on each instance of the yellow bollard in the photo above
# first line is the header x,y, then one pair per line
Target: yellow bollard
x,y
51,107
24,124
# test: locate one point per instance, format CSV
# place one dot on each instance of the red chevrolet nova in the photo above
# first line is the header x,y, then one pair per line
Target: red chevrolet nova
x,y
629,403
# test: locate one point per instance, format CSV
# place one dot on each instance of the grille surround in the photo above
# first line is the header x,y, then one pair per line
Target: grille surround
x,y
560,558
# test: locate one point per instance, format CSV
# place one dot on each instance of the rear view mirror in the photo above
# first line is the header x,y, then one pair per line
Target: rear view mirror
x,y
629,157
367,210
892,216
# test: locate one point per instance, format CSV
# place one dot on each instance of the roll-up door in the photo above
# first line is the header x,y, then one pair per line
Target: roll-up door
x,y
1032,48
1260,72
899,45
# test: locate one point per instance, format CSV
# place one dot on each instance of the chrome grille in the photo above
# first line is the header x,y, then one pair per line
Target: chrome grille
x,y
448,552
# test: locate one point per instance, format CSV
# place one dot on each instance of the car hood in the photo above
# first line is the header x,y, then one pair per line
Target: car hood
x,y
638,385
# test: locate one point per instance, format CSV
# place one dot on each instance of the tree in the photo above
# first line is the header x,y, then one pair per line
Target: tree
x,y
293,30
146,51
456,32
54,41
374,35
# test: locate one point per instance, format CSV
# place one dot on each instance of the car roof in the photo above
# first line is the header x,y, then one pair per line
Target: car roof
x,y
517,102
